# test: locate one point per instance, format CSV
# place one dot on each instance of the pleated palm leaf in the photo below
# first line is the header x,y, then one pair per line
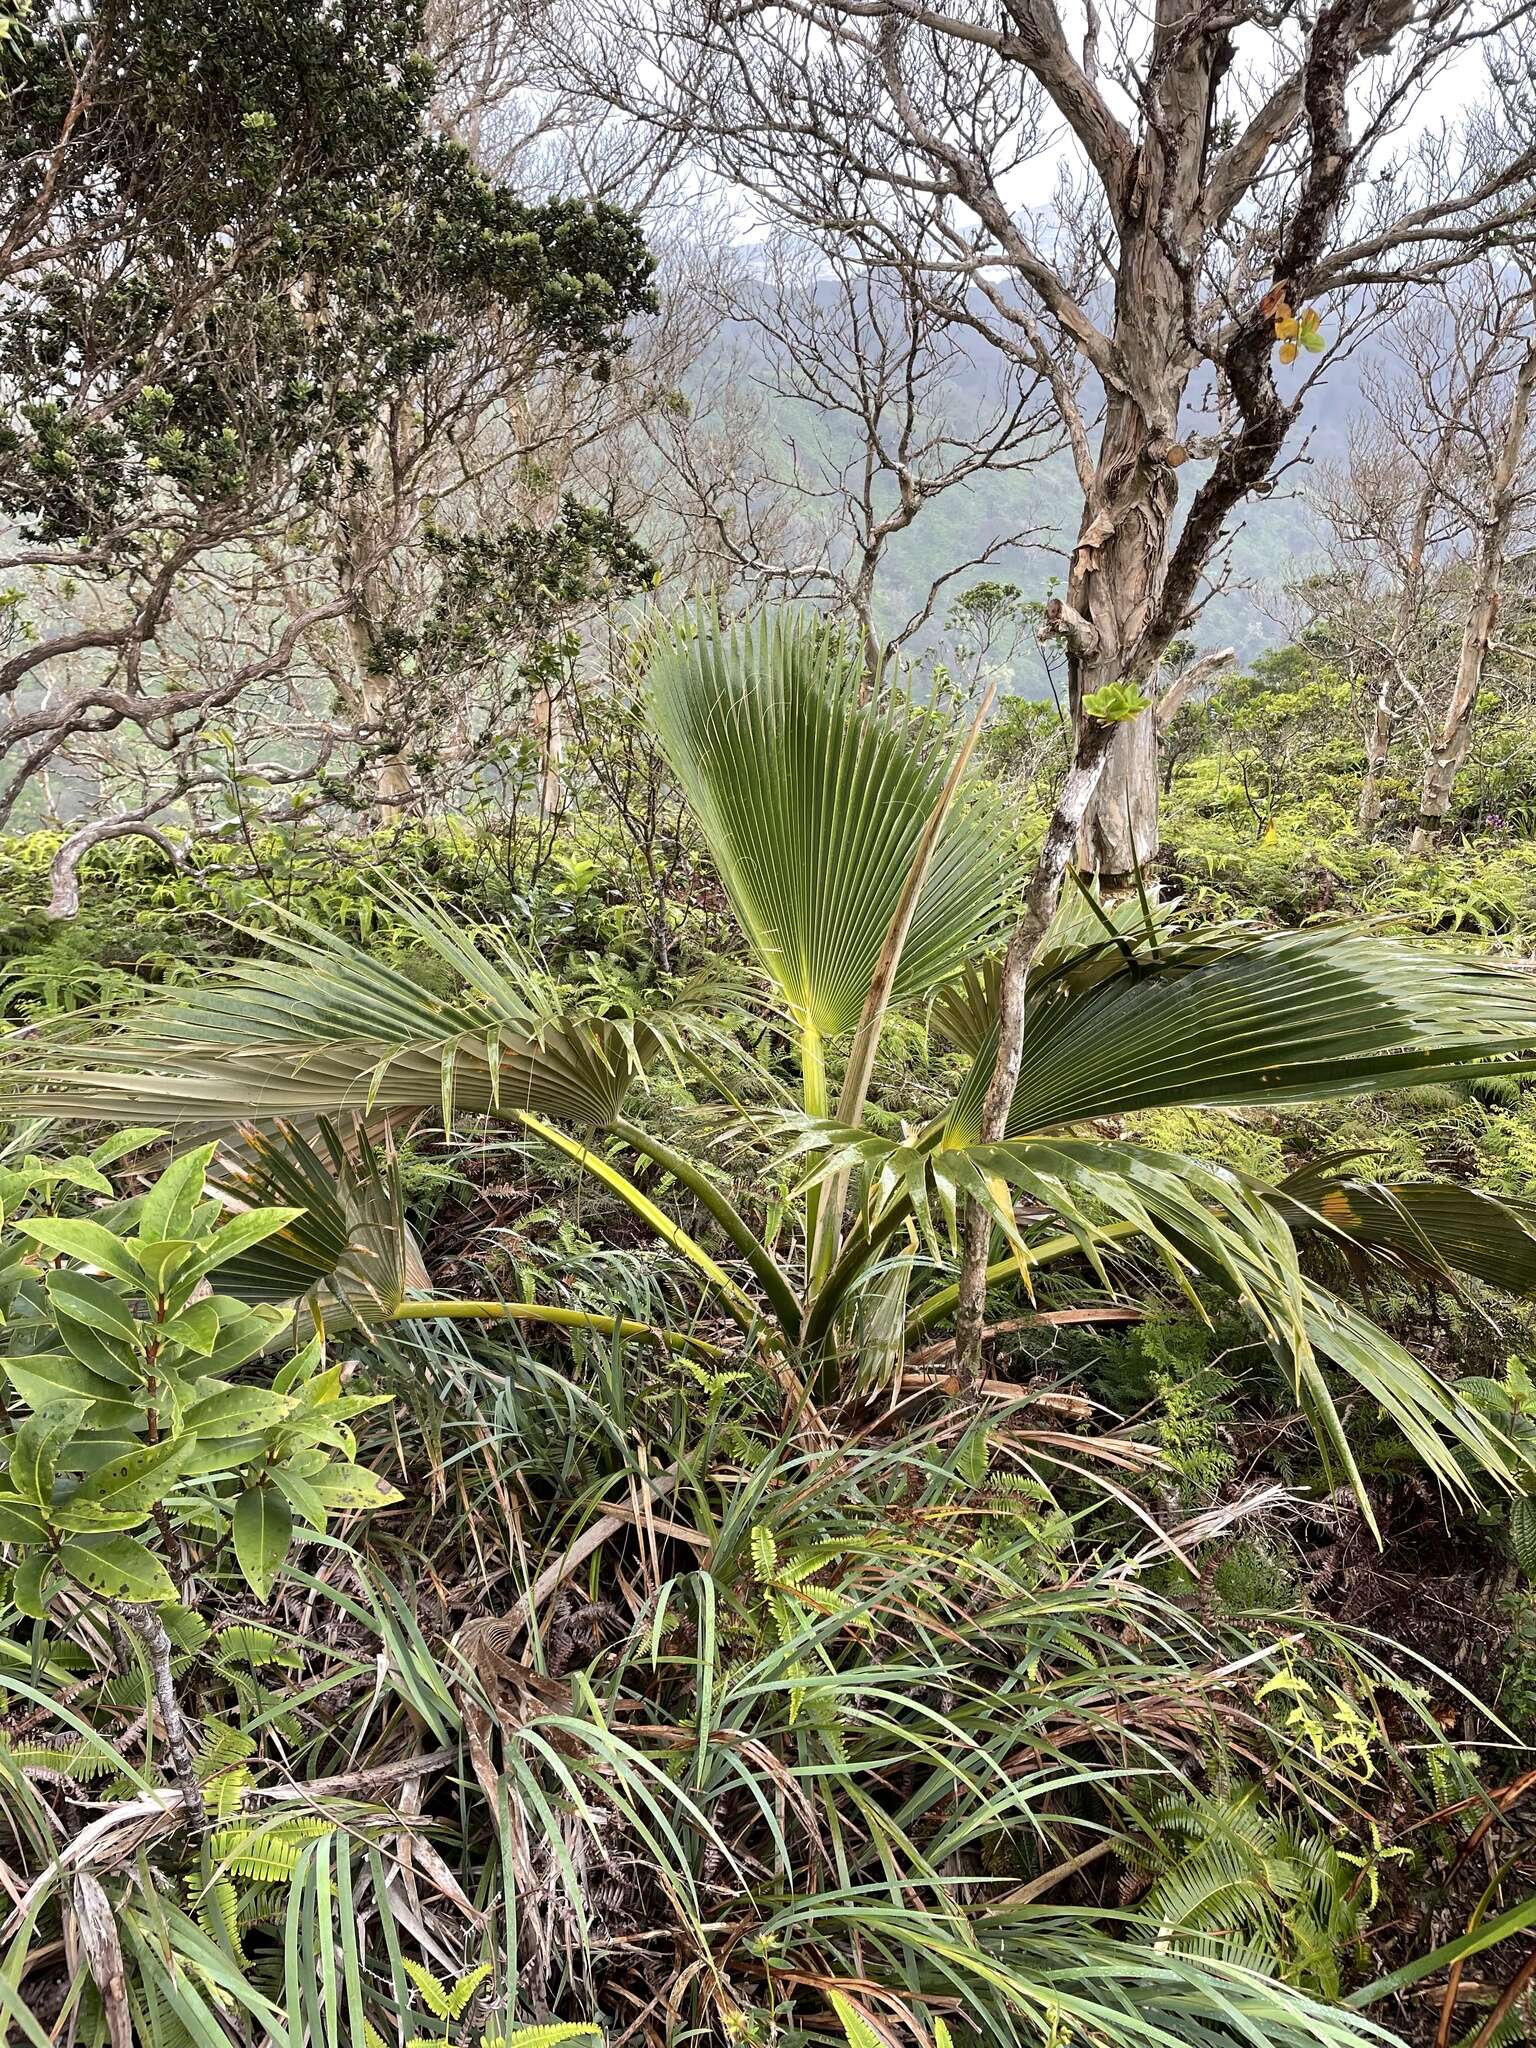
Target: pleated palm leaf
x,y
823,816
327,1028
1431,1230
1245,1016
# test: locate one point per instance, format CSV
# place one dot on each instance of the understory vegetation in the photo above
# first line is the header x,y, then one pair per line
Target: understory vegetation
x,y
502,1547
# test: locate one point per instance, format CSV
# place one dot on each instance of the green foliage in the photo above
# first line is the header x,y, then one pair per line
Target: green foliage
x,y
132,1439
288,207
1175,1357
1230,1878
146,923
1113,703
699,1670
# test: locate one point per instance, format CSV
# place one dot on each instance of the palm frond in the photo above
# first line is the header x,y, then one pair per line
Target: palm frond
x,y
1433,1229
813,805
327,1028
350,1242
1206,1227
1243,1017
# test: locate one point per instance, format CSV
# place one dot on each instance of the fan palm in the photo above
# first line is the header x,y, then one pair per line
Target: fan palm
x,y
866,875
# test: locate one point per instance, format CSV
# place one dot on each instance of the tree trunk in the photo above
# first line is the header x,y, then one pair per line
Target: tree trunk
x,y
1377,749
549,737
1095,748
392,782
1113,587
1116,582
1410,606
145,1623
1450,749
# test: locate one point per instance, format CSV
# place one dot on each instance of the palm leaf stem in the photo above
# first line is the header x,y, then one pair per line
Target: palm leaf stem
x,y
852,1262
780,1296
813,1076
669,1232
562,1318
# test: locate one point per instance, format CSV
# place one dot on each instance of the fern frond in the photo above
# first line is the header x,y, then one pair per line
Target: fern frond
x,y
1522,1534
552,2034
267,1854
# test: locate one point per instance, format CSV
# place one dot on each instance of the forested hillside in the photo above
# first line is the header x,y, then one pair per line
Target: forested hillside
x,y
767,1024
1280,540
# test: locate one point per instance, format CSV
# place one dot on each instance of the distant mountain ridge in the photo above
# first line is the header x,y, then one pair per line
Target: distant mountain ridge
x,y
1277,540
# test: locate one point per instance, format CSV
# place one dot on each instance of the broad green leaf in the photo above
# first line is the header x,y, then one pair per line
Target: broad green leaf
x,y
232,1411
197,1327
136,1480
84,1518
92,1243
121,1143
263,1534
299,1368
27,1584
168,1208
52,1376
241,1234
20,1520
78,1173
117,1567
242,1333
94,1348
162,1259
1114,703
35,1451
344,1487
339,1407
207,1456
94,1303
302,1497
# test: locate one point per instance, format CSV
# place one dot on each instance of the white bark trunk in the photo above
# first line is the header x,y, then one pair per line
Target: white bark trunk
x,y
1450,749
392,781
549,735
1378,746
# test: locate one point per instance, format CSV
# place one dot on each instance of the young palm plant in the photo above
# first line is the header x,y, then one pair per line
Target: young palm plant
x,y
867,877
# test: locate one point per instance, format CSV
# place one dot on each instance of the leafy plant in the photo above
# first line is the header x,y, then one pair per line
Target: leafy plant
x,y
131,1452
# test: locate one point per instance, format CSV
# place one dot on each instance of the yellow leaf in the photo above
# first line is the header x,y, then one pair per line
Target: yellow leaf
x,y
1287,351
1286,330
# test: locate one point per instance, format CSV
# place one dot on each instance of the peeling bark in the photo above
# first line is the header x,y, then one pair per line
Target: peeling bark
x,y
1450,749
145,1624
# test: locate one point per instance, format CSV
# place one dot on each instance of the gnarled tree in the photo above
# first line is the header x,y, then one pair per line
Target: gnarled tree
x,y
235,242
1232,180
1495,489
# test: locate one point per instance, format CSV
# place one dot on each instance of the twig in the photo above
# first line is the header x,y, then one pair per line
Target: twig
x,y
146,1625
1052,1318
369,1779
1512,1992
